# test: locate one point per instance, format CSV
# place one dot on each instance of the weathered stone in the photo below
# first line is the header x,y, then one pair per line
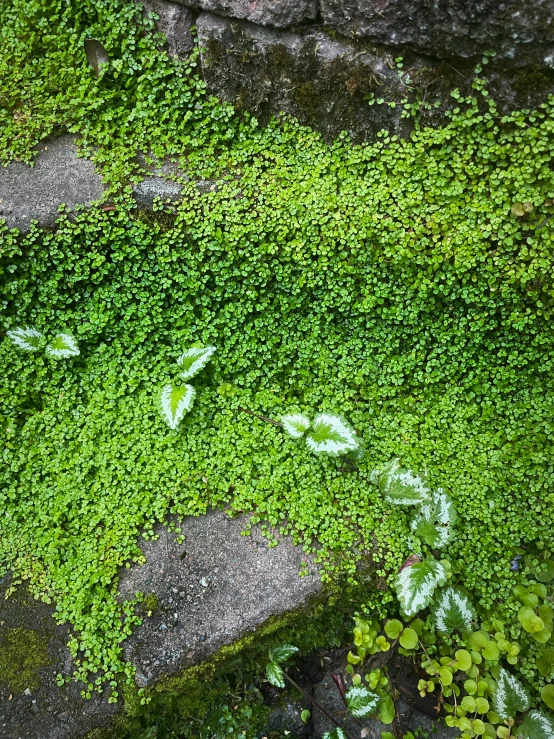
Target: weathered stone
x,y
278,13
323,82
202,595
449,28
175,21
41,710
58,176
209,591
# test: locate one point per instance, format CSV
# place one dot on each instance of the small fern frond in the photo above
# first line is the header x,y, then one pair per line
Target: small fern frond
x,y
295,424
193,360
331,434
28,339
175,401
402,487
62,346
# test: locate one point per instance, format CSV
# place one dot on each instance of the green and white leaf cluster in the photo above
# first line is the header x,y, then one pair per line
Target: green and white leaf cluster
x,y
176,399
61,346
328,433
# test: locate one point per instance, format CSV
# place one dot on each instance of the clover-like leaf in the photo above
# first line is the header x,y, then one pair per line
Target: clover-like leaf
x,y
62,346
275,675
331,434
510,696
401,487
547,695
193,360
435,520
295,424
282,653
175,401
453,611
416,584
28,339
537,725
361,701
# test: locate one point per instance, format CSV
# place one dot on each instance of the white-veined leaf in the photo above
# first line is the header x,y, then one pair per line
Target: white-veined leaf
x,y
330,434
510,696
28,339
402,487
416,584
194,359
453,610
275,675
361,701
337,733
62,346
537,725
435,520
295,424
175,401
282,653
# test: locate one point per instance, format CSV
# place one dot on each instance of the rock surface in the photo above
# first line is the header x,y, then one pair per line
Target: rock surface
x,y
449,28
59,176
209,591
321,81
212,589
175,21
279,13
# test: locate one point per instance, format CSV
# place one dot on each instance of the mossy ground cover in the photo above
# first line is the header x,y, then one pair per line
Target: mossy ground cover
x,y
392,282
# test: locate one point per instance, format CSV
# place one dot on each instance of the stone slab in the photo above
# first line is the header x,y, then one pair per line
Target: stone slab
x,y
175,21
448,28
278,13
58,176
211,590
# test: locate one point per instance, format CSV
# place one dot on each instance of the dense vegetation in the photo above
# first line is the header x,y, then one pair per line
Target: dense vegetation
x,y
404,284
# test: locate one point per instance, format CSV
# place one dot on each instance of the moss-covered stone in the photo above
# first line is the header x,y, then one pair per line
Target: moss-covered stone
x,y
23,652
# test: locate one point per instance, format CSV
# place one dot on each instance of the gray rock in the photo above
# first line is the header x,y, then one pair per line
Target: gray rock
x,y
58,176
449,27
210,590
279,13
156,187
175,21
43,710
327,695
323,82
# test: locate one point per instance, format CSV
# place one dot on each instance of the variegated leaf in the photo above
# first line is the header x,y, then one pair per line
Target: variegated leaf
x,y
537,725
62,346
275,675
193,360
330,434
402,487
435,520
175,401
28,339
282,653
295,424
510,696
337,733
453,610
416,584
361,702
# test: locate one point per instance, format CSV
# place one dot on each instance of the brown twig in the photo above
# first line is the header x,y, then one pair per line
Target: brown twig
x,y
262,418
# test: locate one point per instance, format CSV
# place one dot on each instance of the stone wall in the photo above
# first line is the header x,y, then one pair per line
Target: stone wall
x,y
322,60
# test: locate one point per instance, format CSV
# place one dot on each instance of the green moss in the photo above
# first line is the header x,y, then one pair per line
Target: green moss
x,y
23,653
150,602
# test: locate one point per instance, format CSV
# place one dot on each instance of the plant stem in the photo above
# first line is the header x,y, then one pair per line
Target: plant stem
x,y
316,704
262,418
